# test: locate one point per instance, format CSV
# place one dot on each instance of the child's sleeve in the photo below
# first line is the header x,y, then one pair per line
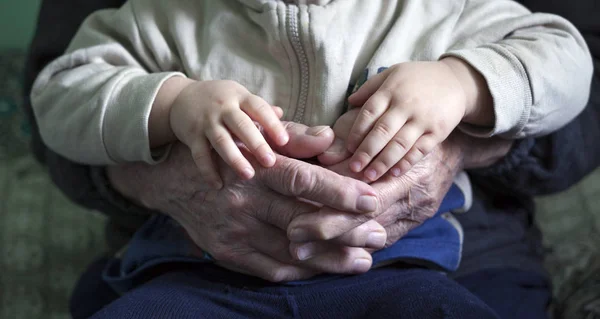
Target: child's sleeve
x,y
102,89
537,66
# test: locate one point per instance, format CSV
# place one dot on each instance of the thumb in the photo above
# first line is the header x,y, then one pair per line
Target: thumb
x,y
305,141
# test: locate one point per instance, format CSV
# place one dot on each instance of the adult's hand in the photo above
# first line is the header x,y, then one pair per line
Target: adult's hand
x,y
405,201
243,225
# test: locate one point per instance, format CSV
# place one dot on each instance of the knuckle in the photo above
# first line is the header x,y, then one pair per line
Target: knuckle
x,y
363,155
244,125
414,156
384,161
383,129
261,106
424,148
400,142
301,180
323,232
259,146
236,200
202,157
355,136
220,139
233,84
368,111
386,91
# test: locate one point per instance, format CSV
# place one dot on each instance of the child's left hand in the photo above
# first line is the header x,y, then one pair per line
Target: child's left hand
x,y
406,111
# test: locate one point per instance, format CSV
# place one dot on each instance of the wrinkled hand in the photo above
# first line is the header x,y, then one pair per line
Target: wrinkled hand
x,y
243,225
405,201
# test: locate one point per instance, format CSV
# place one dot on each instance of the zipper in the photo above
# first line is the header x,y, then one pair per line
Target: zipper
x,y
294,35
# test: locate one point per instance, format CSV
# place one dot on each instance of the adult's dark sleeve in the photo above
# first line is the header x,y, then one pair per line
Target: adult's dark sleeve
x,y
555,162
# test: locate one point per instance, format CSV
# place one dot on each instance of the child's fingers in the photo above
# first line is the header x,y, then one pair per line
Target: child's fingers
x,y
424,145
363,93
242,126
371,111
223,143
278,111
263,113
396,149
202,155
382,132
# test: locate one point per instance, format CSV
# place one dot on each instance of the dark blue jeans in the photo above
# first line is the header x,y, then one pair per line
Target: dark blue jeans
x,y
209,291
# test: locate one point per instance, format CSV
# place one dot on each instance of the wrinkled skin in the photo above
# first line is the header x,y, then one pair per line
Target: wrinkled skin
x,y
247,225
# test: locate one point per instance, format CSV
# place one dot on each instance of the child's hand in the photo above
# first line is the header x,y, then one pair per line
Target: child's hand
x,y
213,113
406,111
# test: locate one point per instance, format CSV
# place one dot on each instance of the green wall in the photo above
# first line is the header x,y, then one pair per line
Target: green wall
x,y
17,22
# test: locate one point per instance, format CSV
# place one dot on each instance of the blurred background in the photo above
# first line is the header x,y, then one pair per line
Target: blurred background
x,y
45,241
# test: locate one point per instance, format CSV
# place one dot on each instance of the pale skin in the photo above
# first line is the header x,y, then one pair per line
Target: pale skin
x,y
407,110
289,239
212,114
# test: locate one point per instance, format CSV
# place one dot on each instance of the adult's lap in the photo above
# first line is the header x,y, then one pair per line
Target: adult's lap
x,y
381,293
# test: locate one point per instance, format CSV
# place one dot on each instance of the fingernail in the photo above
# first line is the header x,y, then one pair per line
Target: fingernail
x,y
375,240
298,235
366,203
248,173
361,265
317,130
306,251
355,166
269,159
283,139
396,172
371,174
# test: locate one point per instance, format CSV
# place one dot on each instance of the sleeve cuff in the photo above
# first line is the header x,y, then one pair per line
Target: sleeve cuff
x,y
115,199
125,128
508,83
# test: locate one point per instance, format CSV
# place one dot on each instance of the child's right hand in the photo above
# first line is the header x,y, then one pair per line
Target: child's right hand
x,y
212,113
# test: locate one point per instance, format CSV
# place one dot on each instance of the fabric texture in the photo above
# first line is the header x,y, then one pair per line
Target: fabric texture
x,y
102,89
213,292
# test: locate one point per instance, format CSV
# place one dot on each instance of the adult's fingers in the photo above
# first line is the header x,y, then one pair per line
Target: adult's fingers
x,y
305,141
329,223
368,235
317,184
335,259
259,265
